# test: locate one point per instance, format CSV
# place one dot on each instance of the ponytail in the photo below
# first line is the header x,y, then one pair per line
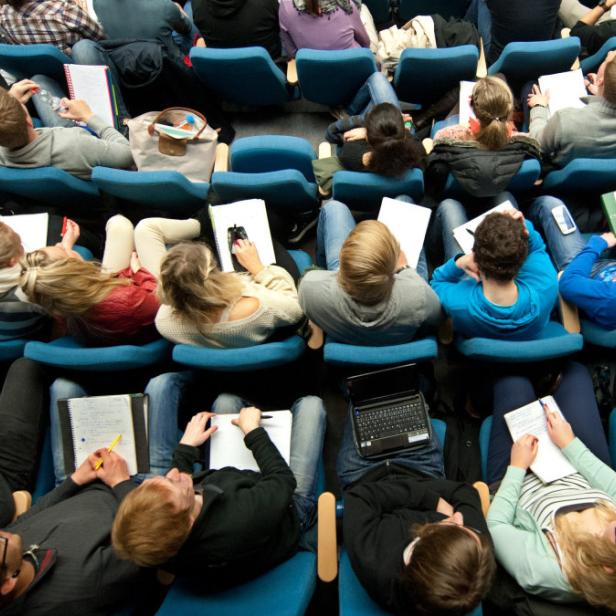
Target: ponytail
x,y
492,102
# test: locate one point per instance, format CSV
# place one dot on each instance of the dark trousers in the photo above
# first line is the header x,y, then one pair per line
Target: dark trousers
x,y
575,397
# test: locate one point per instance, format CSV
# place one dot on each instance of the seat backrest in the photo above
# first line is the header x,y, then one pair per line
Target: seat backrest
x,y
246,76
424,75
333,77
583,175
165,189
47,184
592,63
24,61
365,191
446,8
521,62
340,354
272,153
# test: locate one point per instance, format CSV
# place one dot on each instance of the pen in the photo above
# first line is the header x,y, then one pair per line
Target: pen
x,y
469,231
544,406
267,417
115,441
64,224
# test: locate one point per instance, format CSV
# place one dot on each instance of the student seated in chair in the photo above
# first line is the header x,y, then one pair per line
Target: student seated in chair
x,y
368,294
226,526
74,150
506,288
418,543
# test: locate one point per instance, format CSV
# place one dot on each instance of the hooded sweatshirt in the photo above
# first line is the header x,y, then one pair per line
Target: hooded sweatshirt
x,y
18,317
411,305
475,316
74,150
239,23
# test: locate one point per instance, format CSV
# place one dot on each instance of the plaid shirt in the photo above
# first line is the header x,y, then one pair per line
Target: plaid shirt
x,y
58,22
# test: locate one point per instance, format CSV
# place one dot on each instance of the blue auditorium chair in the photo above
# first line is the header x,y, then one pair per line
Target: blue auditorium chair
x,y
591,63
597,335
23,61
582,175
339,354
12,349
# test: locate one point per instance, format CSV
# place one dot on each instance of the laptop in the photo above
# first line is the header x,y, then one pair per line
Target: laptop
x,y
388,411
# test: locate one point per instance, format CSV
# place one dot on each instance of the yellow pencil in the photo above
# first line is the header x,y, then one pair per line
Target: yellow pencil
x,y
115,441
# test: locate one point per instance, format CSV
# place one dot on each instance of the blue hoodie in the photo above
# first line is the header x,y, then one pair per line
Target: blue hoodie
x,y
475,316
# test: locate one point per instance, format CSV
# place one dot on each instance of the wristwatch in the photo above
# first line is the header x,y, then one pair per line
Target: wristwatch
x,y
603,5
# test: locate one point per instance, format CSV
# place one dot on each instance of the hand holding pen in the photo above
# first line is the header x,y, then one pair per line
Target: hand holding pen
x,y
559,428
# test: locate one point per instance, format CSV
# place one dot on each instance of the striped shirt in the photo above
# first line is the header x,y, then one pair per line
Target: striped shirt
x,y
57,22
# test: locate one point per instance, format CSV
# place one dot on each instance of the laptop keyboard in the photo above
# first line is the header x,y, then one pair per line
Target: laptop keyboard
x,y
406,418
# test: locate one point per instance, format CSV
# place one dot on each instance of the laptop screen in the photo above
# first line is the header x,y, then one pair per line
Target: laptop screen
x,y
390,382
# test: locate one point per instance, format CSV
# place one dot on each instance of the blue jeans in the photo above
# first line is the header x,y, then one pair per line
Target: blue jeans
x,y
185,41
90,52
351,466
335,224
50,88
307,435
165,393
479,14
576,399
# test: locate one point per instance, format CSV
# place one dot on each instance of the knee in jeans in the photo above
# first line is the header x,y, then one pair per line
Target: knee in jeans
x,y
227,403
118,223
63,388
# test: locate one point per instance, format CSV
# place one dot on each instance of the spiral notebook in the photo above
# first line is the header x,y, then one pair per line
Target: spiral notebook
x,y
93,85
93,422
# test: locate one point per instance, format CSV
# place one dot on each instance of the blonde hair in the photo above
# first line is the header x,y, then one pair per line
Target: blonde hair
x,y
10,245
148,528
589,561
368,260
192,284
65,287
492,102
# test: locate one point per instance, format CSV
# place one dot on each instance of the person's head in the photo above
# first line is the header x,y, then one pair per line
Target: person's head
x,y
393,149
589,558
11,548
368,261
64,287
192,284
492,102
501,247
11,249
450,570
606,78
15,122
155,519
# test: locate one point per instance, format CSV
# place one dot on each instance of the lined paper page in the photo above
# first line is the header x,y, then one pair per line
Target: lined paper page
x,y
91,83
31,228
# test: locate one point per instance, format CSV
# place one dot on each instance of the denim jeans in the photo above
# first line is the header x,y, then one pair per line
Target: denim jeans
x,y
307,435
335,224
185,41
42,102
90,52
479,14
165,393
351,466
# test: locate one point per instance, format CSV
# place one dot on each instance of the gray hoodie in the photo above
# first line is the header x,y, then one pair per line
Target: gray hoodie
x,y
74,150
412,304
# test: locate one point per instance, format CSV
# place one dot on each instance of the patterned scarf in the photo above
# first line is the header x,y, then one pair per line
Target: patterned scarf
x,y
328,6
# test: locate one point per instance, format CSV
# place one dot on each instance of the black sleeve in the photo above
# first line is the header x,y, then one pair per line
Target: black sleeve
x,y
465,499
65,490
590,36
351,157
184,457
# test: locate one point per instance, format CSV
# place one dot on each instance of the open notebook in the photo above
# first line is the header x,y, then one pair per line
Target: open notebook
x,y
565,89
31,228
93,85
227,443
465,234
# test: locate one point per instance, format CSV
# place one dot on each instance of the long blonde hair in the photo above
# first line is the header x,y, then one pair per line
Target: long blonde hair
x,y
65,287
192,284
589,561
492,102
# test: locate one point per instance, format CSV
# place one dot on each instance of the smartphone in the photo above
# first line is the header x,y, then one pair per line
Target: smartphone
x,y
564,220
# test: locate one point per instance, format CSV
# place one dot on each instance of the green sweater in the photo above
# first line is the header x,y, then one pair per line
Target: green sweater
x,y
521,546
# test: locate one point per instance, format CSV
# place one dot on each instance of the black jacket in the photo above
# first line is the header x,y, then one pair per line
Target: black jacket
x,y
379,512
239,23
248,522
593,37
480,172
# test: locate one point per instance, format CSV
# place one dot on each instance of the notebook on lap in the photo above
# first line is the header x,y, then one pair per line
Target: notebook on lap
x,y
388,411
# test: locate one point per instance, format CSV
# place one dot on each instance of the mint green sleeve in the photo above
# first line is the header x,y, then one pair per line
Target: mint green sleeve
x,y
599,475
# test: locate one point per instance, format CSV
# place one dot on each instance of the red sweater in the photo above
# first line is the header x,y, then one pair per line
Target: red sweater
x,y
125,316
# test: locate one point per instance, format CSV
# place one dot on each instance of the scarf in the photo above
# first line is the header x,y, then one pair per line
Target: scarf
x,y
328,6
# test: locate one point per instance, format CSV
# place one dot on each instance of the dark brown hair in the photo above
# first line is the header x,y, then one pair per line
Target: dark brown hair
x,y
394,150
501,246
13,122
450,571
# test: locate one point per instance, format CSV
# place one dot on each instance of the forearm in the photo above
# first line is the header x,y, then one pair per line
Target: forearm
x,y
599,475
502,509
65,490
539,116
184,458
277,279
266,454
591,18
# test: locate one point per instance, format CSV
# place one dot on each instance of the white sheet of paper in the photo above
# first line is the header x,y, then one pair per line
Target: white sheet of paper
x,y
251,215
464,234
466,111
91,83
408,223
565,89
31,228
95,428
550,463
227,443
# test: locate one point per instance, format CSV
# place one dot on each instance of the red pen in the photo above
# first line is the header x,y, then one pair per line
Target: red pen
x,y
64,224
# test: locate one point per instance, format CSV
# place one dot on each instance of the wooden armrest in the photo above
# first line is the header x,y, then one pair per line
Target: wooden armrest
x,y
292,77
325,149
484,496
222,157
565,33
568,314
327,549
22,500
428,145
445,331
482,67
